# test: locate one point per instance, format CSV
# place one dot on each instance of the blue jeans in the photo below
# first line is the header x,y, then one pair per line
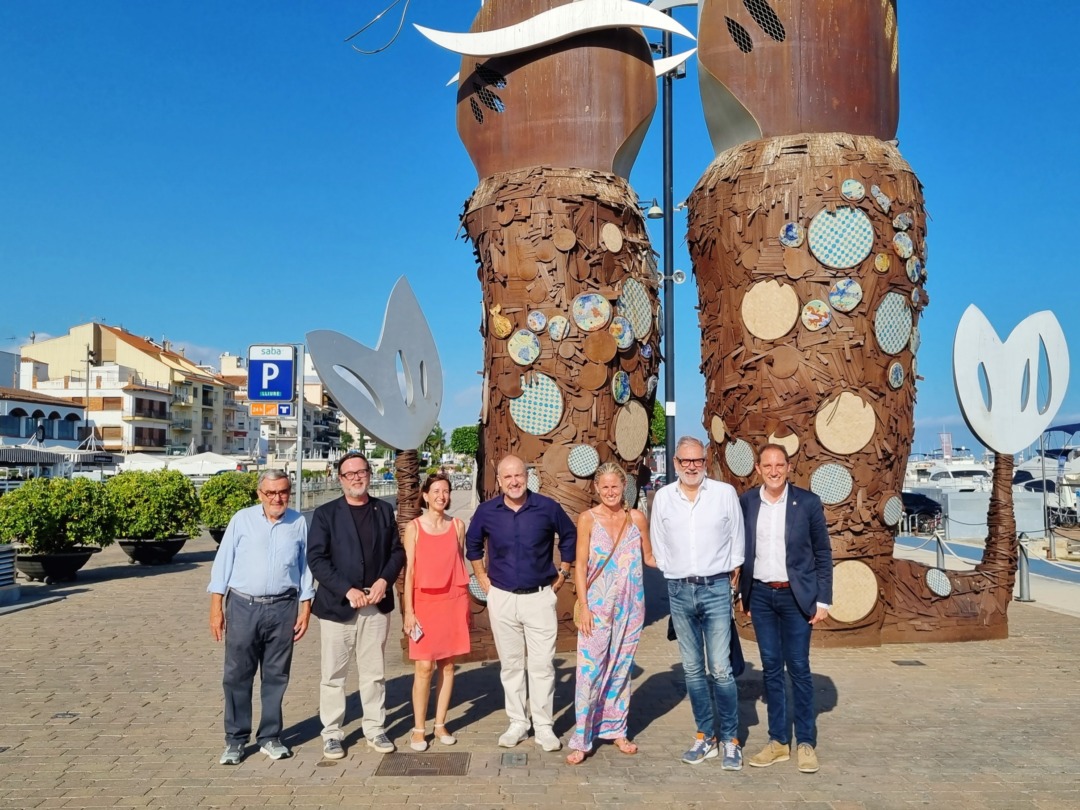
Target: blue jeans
x,y
783,637
702,618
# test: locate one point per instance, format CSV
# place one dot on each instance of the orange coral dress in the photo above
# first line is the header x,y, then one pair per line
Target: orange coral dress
x,y
440,596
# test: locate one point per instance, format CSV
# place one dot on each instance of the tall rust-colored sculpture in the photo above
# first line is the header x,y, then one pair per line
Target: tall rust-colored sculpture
x,y
807,235
569,313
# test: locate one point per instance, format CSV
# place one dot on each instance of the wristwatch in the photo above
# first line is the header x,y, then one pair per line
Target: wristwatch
x,y
562,573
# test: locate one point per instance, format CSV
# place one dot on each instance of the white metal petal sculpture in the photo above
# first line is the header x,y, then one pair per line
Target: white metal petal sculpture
x,y
1011,415
399,411
554,25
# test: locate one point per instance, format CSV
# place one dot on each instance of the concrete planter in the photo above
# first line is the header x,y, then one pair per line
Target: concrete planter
x,y
61,566
152,552
9,591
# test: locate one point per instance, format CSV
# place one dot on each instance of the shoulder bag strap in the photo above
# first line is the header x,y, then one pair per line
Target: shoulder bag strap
x,y
618,540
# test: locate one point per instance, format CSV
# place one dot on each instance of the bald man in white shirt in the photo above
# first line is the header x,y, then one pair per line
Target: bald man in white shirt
x,y
698,540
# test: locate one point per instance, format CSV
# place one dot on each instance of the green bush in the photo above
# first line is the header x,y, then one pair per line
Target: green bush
x,y
226,494
153,505
52,515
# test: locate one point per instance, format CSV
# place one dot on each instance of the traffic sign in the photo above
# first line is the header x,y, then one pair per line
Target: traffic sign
x,y
271,373
284,409
263,408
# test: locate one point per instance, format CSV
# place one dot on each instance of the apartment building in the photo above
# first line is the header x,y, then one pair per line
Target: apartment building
x,y
141,395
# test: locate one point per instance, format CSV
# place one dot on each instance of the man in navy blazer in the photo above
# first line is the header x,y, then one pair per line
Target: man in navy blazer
x,y
786,587
355,554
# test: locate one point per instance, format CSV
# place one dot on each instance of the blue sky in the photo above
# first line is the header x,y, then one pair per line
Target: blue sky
x,y
224,174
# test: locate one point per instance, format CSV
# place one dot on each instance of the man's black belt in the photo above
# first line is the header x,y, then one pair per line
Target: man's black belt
x,y
710,580
264,600
534,589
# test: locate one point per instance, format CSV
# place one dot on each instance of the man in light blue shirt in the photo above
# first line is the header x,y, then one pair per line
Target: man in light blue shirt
x,y
262,566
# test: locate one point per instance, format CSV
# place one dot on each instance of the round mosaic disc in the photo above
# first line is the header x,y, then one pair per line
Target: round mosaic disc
x,y
916,340
855,591
650,385
770,309
540,406
816,315
635,306
536,320
916,297
896,374
645,350
583,460
717,430
882,263
591,311
903,221
622,331
914,269
631,429
842,239
893,510
831,482
938,582
792,235
533,480
914,368
558,327
852,189
740,457
845,424
620,387
523,346
564,239
612,237
892,323
630,492
789,442
902,245
845,294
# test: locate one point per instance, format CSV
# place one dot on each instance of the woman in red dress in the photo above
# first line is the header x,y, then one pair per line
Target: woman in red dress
x,y
436,605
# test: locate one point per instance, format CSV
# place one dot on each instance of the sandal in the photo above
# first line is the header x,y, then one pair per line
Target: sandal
x,y
421,744
445,737
625,746
575,757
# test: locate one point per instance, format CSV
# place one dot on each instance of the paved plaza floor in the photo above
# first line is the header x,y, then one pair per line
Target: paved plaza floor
x,y
111,697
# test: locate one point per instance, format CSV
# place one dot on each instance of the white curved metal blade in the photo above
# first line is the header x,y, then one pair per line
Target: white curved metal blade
x,y
1012,415
669,63
554,25
397,407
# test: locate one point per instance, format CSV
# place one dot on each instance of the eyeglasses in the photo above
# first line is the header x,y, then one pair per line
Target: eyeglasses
x,y
356,475
691,462
275,494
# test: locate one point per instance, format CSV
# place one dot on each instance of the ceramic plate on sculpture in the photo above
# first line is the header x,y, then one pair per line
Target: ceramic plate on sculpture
x,y
540,406
583,460
816,315
831,482
792,235
591,311
842,239
902,245
892,323
622,331
620,387
852,190
845,294
770,309
536,321
558,328
740,457
634,305
524,347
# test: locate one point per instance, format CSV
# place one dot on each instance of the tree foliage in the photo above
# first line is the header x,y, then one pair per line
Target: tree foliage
x,y
226,494
435,441
347,441
153,505
51,515
658,425
465,440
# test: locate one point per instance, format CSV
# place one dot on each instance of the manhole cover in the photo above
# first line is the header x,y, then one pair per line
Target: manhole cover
x,y
515,760
424,765
909,663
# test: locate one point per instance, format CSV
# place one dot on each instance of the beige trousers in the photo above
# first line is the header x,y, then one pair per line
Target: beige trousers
x,y
362,638
524,627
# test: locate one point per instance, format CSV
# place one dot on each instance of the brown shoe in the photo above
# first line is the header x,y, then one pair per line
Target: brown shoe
x,y
771,754
807,758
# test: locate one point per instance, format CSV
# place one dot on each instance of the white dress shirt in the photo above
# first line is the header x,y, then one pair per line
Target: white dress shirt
x,y
770,552
698,538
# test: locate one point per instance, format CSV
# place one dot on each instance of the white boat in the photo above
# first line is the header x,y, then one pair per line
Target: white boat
x,y
960,472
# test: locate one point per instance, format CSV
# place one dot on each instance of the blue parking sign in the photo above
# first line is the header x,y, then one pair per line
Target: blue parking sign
x,y
271,373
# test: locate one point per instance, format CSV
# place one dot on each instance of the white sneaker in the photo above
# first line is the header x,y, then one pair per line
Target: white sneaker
x,y
547,740
518,732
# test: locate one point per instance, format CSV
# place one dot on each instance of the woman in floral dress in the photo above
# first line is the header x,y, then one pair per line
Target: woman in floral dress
x,y
611,613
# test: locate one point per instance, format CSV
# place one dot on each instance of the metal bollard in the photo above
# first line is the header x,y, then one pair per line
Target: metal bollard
x,y
940,550
1023,570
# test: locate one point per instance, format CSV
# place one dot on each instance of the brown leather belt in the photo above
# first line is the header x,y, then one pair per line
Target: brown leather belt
x,y
777,585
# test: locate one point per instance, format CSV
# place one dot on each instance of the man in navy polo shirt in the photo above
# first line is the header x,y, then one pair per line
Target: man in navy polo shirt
x,y
521,580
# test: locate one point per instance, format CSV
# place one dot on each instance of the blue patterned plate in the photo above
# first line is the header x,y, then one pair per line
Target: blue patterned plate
x,y
524,347
540,406
845,294
842,239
